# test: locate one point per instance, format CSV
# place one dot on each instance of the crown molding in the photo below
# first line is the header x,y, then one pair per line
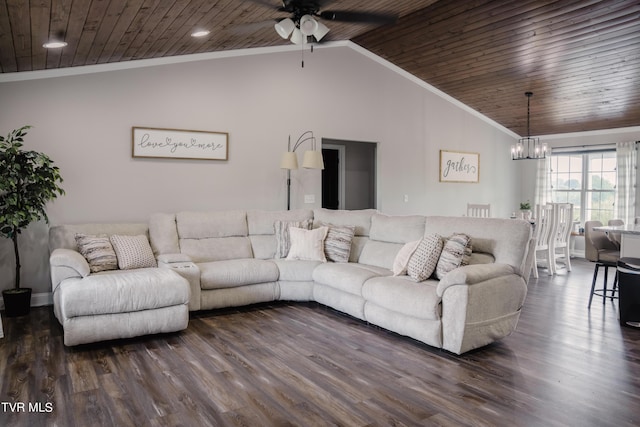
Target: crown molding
x,y
142,63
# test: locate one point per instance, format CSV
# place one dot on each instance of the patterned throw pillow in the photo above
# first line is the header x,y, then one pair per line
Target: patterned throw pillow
x,y
337,245
456,252
98,252
133,252
307,244
281,229
425,258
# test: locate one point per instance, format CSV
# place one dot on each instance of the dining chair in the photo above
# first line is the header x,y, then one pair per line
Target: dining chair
x,y
479,210
544,231
563,213
599,249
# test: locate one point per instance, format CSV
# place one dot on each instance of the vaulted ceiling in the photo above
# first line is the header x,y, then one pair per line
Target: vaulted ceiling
x,y
580,58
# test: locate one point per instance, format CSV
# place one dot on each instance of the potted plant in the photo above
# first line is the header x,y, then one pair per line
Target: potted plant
x,y
525,210
28,180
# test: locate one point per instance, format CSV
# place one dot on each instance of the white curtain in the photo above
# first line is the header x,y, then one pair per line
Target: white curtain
x,y
626,187
542,193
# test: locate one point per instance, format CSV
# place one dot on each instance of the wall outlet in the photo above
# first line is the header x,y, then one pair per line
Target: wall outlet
x,y
406,198
309,198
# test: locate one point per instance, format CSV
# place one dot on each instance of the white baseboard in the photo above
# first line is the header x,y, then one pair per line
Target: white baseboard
x,y
37,300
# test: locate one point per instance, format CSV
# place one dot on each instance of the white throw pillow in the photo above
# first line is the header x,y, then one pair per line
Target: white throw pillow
x,y
307,244
281,231
401,261
133,252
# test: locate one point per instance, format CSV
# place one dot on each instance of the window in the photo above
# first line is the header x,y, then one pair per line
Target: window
x,y
588,180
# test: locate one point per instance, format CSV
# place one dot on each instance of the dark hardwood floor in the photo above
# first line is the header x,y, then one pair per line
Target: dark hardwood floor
x,y
306,365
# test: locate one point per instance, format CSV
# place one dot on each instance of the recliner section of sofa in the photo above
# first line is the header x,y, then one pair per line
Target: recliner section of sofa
x,y
113,304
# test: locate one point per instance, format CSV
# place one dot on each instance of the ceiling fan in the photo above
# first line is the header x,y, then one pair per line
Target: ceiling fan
x,y
305,15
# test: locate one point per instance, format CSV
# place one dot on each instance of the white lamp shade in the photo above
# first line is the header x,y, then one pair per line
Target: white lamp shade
x,y
285,27
321,31
308,25
313,160
289,160
297,37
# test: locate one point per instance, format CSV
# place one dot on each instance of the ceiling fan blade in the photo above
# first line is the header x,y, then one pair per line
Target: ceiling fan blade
x,y
350,16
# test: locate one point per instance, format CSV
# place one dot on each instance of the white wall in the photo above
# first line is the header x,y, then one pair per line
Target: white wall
x,y
83,122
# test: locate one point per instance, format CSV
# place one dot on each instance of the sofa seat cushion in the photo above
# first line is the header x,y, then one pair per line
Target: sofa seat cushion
x,y
347,277
403,295
296,270
236,272
122,291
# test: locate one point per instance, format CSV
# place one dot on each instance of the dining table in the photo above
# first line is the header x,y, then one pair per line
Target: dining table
x,y
629,235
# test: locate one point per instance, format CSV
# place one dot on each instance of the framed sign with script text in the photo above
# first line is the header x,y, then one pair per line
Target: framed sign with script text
x,y
180,144
459,166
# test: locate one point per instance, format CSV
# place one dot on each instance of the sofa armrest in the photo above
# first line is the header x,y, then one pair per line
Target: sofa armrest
x,y
481,303
67,263
173,258
472,274
189,271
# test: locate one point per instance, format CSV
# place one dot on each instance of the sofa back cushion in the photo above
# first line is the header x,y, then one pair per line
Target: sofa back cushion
x,y
213,236
388,235
261,229
503,240
64,236
163,234
360,219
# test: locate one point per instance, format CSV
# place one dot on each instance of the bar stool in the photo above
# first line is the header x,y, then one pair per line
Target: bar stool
x,y
599,249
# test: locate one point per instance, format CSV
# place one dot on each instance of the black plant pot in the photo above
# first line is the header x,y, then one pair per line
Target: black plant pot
x,y
17,302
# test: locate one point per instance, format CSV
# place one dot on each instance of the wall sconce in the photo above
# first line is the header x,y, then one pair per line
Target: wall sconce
x,y
312,159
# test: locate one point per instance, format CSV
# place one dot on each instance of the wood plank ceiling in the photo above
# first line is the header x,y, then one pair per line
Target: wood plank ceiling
x,y
580,58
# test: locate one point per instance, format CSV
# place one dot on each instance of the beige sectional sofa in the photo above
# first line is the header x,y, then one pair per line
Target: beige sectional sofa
x,y
229,259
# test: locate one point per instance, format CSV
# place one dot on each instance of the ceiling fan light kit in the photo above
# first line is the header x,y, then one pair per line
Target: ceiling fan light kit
x,y
299,33
308,25
285,27
297,37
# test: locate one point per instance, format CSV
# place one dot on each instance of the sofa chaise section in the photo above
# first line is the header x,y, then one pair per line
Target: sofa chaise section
x,y
112,304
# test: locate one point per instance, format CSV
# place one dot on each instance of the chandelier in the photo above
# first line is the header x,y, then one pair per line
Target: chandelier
x,y
528,148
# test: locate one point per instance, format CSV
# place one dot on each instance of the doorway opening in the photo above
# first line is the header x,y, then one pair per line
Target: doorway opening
x,y
349,175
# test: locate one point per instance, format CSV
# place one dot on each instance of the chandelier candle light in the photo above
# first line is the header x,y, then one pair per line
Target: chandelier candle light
x,y
312,159
528,148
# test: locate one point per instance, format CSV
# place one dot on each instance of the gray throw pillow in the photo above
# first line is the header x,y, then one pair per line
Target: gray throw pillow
x,y
456,252
337,245
98,252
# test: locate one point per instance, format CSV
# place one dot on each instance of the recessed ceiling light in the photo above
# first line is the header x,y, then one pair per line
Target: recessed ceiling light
x,y
54,45
200,33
